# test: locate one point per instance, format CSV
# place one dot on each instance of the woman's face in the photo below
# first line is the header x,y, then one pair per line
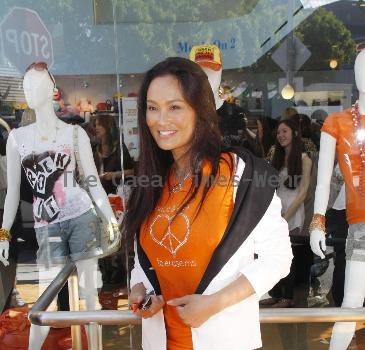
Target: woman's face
x,y
99,129
170,118
284,135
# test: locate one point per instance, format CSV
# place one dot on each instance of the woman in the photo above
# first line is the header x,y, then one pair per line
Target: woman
x,y
107,154
108,163
305,126
294,168
196,239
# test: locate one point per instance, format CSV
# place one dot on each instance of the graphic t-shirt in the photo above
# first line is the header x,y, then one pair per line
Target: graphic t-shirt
x,y
180,250
340,126
49,167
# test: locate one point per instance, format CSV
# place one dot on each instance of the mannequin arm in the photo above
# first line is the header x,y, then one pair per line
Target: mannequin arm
x,y
303,188
12,193
325,168
95,187
5,124
14,179
251,133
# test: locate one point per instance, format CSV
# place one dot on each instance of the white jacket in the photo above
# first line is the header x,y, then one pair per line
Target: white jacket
x,y
236,327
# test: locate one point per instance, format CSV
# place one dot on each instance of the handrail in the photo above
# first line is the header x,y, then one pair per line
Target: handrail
x,y
52,290
279,315
40,317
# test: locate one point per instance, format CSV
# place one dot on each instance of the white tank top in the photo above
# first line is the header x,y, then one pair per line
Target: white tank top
x,y
49,167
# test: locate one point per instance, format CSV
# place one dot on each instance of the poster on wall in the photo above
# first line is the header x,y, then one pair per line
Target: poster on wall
x,y
130,126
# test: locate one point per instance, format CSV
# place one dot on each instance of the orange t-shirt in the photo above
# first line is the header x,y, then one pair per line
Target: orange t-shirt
x,y
180,250
340,126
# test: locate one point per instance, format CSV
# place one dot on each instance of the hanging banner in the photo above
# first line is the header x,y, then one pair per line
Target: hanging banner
x,y
130,125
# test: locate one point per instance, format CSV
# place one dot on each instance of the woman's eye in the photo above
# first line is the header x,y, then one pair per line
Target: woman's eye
x,y
174,107
151,108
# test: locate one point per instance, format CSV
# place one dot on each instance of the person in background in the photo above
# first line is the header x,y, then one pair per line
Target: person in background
x,y
107,156
337,228
305,125
294,168
288,113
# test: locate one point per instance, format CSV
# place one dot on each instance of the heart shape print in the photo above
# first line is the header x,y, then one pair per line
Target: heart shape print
x,y
169,239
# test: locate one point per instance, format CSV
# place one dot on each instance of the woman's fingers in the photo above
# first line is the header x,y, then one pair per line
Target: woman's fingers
x,y
156,305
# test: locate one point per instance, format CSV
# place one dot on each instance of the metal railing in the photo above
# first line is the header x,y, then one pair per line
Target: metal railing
x,y
75,318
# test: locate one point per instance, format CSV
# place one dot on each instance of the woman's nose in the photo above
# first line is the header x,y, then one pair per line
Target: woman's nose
x,y
164,117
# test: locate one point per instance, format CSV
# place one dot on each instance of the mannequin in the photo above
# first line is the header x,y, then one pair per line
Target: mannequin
x,y
231,116
340,134
209,58
52,200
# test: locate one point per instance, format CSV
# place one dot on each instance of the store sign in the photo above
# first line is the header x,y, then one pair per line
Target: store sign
x,y
25,38
184,47
130,125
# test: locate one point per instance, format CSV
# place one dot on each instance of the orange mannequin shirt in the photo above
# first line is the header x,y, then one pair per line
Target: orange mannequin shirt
x,y
180,250
340,126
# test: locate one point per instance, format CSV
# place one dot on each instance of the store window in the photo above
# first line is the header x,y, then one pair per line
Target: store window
x,y
281,59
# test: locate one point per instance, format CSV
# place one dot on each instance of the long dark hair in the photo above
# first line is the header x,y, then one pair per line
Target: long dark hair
x,y
111,129
294,163
268,138
153,161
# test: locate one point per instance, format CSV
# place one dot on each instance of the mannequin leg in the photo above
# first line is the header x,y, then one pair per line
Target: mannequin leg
x,y
354,294
87,273
38,334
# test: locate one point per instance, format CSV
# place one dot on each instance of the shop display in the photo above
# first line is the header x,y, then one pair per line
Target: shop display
x,y
343,135
117,100
44,150
130,125
85,108
104,106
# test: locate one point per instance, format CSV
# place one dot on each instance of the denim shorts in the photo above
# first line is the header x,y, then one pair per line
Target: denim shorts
x,y
74,239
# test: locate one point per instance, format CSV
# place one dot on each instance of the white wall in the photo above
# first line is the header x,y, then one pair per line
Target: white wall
x,y
100,87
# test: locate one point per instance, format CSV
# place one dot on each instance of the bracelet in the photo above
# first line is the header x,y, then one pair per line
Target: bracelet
x,y
318,223
5,234
113,227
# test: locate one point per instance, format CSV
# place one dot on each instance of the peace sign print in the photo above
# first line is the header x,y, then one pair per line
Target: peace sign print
x,y
169,239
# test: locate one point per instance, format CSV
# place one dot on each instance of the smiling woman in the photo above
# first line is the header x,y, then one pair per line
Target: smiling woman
x,y
170,118
195,240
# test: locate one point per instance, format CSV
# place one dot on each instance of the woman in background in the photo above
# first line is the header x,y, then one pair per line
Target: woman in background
x,y
294,168
107,155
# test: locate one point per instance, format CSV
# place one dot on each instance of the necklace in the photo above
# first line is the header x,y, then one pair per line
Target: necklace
x,y
177,187
43,139
360,140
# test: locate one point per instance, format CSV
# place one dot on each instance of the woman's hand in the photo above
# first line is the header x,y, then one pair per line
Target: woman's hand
x,y
138,293
108,176
195,309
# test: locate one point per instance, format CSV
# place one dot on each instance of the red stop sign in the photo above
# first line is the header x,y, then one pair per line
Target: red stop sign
x,y
25,38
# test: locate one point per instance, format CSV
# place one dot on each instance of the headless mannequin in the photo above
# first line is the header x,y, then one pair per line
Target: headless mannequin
x,y
215,77
354,289
38,89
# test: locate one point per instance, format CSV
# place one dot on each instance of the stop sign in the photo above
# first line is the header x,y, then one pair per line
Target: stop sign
x,y
25,38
